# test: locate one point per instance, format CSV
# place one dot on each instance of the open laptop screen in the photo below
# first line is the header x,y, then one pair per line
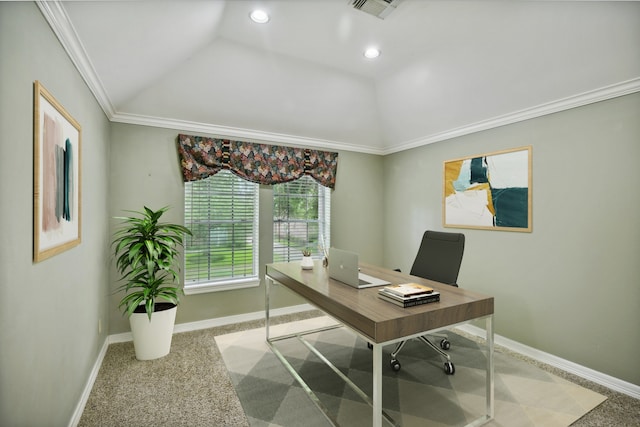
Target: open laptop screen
x,y
343,266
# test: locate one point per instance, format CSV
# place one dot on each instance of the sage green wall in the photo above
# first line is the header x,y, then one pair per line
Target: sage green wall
x,y
571,287
49,311
145,170
357,210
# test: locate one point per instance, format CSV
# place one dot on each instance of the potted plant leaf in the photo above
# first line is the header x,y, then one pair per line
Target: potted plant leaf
x,y
146,253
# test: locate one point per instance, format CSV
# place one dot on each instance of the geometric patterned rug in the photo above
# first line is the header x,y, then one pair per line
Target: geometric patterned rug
x,y
420,394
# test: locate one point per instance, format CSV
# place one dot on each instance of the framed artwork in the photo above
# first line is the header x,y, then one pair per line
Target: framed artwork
x,y
489,191
56,177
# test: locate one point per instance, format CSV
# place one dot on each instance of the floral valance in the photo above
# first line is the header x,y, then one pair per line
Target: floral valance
x,y
201,157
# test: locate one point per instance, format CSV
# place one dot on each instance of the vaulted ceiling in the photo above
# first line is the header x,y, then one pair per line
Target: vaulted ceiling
x,y
447,67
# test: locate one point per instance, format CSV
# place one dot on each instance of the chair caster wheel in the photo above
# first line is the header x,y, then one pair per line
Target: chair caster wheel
x,y
449,369
395,365
445,344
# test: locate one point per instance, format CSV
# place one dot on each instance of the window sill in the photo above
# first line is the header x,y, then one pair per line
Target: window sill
x,y
203,288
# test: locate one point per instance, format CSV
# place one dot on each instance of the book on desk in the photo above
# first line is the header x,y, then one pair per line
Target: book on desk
x,y
408,294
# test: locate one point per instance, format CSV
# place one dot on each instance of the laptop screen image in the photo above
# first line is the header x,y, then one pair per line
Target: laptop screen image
x,y
343,266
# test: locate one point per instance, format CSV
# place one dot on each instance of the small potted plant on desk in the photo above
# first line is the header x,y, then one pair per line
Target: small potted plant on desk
x,y
146,253
307,261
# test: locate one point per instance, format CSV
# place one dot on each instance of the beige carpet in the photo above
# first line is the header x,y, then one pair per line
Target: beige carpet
x,y
187,388
420,394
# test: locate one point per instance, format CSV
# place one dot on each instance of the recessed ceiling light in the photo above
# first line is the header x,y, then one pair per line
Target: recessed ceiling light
x,y
372,53
259,16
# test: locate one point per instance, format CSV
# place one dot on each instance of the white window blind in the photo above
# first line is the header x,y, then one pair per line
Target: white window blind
x,y
301,219
222,213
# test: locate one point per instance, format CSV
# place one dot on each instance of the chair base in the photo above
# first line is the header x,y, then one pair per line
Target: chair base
x,y
449,368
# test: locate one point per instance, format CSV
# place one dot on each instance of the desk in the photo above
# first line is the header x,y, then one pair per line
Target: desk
x,y
379,322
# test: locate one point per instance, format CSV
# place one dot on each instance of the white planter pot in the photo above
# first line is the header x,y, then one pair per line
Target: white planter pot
x,y
306,263
152,339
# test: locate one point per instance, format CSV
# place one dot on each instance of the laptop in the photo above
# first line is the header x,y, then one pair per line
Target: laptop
x,y
343,266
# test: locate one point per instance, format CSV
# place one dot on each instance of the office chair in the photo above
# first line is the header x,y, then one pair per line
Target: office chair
x,y
439,258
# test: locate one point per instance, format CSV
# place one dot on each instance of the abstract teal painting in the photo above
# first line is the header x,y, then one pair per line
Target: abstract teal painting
x,y
489,191
56,177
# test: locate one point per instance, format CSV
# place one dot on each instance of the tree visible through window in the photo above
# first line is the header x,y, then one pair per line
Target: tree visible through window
x,y
222,213
301,219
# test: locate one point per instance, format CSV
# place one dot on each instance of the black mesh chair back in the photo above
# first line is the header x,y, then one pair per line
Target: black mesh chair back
x,y
439,257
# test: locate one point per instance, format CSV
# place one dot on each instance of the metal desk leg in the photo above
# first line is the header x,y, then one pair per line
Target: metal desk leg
x,y
267,286
377,385
490,379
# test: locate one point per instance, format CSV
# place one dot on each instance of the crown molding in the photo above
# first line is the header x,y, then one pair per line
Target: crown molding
x,y
585,98
59,21
247,134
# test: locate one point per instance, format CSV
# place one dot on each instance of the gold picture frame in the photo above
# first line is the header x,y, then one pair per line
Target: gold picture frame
x,y
491,191
57,213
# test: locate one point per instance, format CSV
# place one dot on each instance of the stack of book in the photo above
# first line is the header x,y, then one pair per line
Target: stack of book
x,y
409,294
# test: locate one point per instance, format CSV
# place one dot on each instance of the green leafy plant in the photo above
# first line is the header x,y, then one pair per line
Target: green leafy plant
x,y
146,251
306,252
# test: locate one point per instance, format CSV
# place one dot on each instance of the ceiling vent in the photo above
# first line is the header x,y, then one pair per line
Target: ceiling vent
x,y
378,8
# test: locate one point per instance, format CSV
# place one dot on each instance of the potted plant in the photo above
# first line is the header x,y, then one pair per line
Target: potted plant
x,y
146,253
307,261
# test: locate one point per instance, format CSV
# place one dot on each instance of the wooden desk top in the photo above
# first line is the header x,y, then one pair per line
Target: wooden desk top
x,y
380,321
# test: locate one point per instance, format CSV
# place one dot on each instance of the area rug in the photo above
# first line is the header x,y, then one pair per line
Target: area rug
x,y
420,394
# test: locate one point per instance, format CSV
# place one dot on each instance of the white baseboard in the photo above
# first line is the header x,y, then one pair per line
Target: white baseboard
x,y
220,321
77,413
567,366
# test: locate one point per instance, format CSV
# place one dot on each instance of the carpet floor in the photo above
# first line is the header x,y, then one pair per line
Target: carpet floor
x,y
419,394
192,386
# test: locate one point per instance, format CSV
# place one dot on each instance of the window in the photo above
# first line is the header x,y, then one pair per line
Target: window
x,y
222,213
301,219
